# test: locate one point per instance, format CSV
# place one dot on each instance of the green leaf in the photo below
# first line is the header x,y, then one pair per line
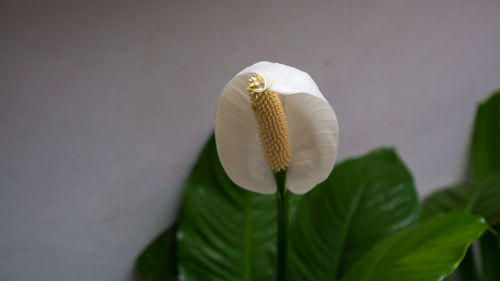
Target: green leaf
x,y
158,261
427,252
481,198
363,201
225,232
486,163
458,197
486,138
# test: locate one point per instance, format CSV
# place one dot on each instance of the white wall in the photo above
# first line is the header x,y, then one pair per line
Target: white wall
x,y
104,106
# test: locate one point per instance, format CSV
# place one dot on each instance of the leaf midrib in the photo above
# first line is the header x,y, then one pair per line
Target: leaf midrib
x,y
350,215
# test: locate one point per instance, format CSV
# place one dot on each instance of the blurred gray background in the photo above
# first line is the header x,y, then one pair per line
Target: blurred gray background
x,y
104,106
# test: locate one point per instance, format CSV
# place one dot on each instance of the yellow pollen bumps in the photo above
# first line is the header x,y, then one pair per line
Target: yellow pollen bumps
x,y
271,123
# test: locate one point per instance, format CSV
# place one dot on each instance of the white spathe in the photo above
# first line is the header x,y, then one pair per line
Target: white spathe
x,y
312,128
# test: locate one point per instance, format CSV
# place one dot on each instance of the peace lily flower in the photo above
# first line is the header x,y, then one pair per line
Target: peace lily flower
x,y
272,118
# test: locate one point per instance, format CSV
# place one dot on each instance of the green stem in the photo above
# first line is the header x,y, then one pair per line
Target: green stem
x,y
467,270
282,218
490,254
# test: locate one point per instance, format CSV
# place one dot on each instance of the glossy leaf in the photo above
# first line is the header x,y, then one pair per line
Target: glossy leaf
x,y
363,201
486,139
427,252
481,198
158,262
225,232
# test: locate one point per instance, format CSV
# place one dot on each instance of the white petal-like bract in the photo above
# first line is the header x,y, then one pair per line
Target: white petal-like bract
x,y
312,128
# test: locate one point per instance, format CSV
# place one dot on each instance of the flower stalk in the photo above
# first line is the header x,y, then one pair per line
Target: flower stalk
x,y
282,221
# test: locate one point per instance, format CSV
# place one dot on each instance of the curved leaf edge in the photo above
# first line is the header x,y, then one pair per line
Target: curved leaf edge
x,y
158,261
408,231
